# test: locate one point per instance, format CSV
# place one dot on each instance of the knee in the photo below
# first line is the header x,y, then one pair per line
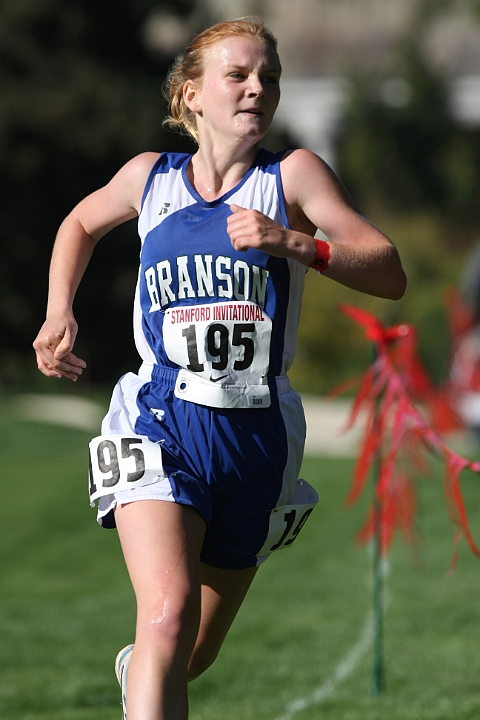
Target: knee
x,y
199,662
171,630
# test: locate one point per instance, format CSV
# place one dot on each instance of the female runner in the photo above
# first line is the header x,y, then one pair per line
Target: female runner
x,y
198,461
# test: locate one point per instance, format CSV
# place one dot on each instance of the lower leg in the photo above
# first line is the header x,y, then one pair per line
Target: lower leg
x,y
157,679
157,684
223,592
161,543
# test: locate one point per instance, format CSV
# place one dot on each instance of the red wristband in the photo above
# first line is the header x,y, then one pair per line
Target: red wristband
x,y
322,256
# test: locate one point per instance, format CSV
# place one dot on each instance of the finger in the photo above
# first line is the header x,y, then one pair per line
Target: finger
x,y
240,225
241,243
65,345
67,373
235,208
241,215
244,234
67,369
71,376
236,233
68,357
46,369
69,363
58,372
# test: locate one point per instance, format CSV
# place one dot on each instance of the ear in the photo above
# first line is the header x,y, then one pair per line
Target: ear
x,y
191,95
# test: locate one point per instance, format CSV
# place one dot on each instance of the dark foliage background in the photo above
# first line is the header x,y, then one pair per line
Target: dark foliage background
x,y
80,94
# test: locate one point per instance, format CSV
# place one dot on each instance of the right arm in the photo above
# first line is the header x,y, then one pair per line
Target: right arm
x,y
89,221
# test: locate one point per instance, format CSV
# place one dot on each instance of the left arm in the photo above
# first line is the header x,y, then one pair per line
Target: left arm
x,y
361,256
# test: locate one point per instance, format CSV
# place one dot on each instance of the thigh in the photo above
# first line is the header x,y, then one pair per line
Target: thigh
x,y
222,592
161,543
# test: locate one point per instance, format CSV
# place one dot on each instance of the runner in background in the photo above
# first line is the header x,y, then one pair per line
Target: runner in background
x,y
199,457
463,308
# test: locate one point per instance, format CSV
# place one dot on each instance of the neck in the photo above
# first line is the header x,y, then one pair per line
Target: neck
x,y
215,170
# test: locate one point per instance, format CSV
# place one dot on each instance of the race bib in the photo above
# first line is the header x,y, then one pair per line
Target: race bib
x,y
224,350
286,521
120,462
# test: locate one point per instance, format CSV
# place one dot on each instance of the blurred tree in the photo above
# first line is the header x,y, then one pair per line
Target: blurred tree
x,y
416,174
79,95
400,146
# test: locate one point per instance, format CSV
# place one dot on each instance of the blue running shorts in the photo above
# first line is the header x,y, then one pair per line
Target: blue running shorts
x,y
238,467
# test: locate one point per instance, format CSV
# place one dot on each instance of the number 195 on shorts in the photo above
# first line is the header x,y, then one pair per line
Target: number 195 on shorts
x,y
121,462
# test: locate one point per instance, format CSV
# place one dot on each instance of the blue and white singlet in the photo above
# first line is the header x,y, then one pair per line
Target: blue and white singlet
x,y
216,330
229,318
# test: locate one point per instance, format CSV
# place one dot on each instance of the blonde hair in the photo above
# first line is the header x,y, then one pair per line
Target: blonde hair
x,y
189,66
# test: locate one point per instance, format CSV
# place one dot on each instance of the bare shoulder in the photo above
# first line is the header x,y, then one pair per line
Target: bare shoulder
x,y
311,186
142,163
296,160
117,201
296,163
132,177
302,169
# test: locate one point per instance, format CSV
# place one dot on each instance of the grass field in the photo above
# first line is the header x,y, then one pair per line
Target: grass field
x,y
66,607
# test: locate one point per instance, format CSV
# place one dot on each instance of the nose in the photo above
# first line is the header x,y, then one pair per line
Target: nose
x,y
255,86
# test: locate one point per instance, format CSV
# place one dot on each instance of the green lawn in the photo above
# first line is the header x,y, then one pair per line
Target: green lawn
x,y
66,605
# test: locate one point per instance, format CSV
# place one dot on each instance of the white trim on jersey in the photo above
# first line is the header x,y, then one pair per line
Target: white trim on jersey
x,y
167,194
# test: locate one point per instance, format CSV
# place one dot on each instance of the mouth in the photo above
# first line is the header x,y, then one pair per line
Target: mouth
x,y
252,111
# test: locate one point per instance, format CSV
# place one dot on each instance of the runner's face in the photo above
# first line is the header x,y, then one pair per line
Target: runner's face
x,y
239,91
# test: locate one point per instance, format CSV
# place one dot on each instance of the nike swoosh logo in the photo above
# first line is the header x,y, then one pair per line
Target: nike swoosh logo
x,y
215,380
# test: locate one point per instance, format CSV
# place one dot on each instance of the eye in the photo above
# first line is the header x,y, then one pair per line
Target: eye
x,y
271,80
237,75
